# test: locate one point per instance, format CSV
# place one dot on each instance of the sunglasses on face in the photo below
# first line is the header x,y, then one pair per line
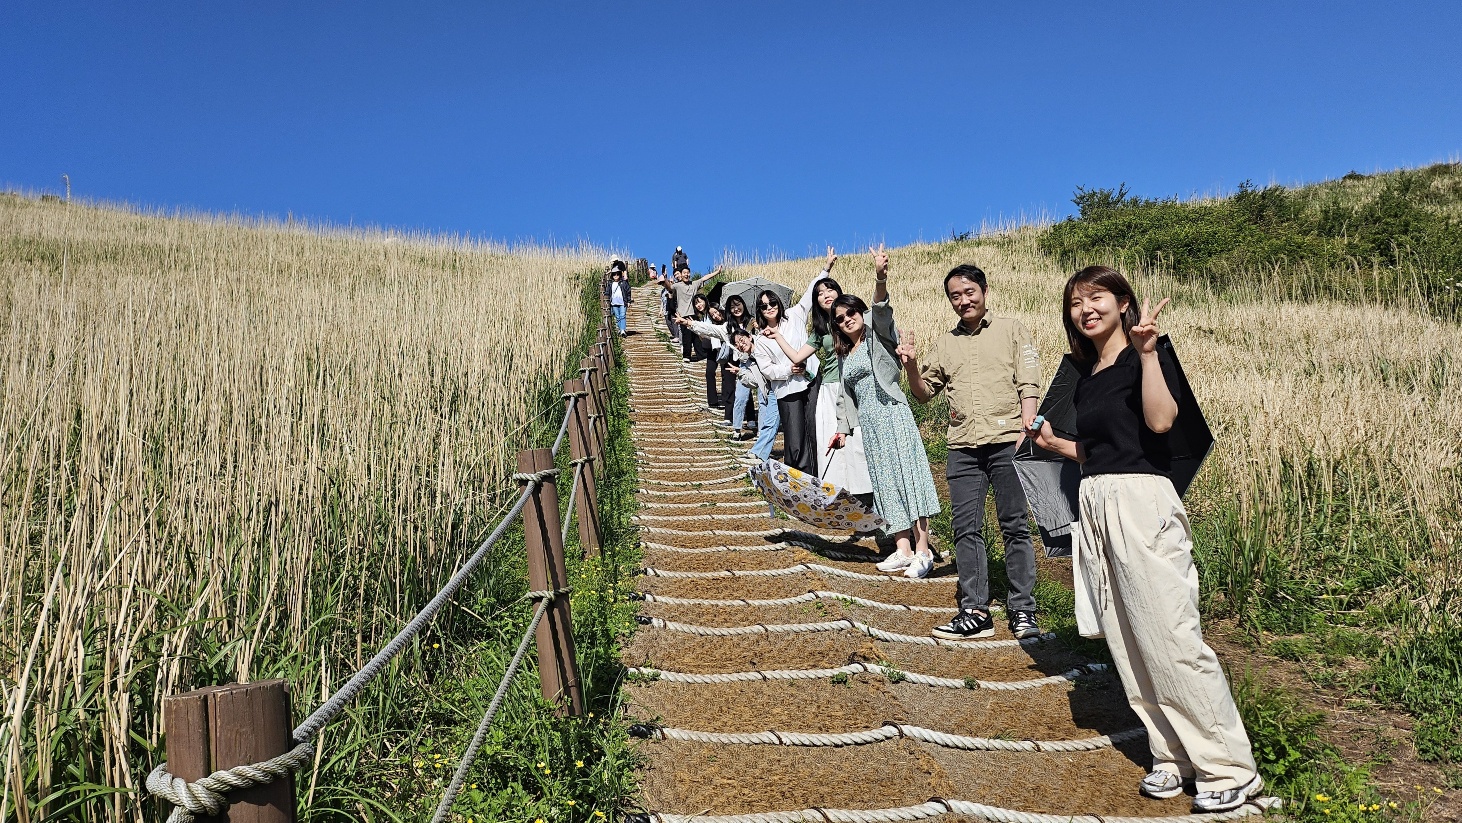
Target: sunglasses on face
x,y
843,318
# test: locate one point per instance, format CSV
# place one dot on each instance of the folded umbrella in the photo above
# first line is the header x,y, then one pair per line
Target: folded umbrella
x,y
811,500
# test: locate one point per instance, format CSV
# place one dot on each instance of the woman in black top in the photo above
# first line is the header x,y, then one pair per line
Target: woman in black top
x,y
1134,557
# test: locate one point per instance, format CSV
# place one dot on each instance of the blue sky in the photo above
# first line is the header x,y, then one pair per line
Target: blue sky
x,y
767,127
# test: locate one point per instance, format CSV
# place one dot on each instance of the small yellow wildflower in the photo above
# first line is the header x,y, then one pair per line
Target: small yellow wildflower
x,y
1435,789
570,802
540,764
578,764
1322,798
1392,804
591,714
598,814
417,764
539,820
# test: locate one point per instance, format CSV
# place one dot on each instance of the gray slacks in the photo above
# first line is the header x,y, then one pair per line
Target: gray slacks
x,y
972,472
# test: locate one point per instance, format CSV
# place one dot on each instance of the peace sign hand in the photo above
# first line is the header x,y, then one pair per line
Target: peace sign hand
x,y
905,348
880,261
832,257
1144,335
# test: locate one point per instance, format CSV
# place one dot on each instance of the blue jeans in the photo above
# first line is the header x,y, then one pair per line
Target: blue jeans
x,y
619,317
766,431
738,408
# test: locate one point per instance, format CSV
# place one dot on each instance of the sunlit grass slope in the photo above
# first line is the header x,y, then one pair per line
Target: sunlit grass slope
x,y
232,450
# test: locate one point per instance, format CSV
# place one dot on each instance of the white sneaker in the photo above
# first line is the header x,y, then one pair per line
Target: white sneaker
x,y
919,567
895,562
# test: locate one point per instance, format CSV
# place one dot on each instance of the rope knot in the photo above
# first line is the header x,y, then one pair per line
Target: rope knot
x,y
548,595
209,795
568,394
535,478
580,461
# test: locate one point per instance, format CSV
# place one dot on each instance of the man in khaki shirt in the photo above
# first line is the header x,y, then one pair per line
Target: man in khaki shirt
x,y
988,368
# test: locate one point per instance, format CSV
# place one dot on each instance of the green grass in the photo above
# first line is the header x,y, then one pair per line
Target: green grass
x,y
1395,236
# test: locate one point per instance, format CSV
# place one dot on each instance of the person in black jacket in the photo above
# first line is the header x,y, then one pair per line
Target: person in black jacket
x,y
680,260
616,291
1136,546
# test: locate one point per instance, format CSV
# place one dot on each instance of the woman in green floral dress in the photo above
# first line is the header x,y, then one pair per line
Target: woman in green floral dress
x,y
873,402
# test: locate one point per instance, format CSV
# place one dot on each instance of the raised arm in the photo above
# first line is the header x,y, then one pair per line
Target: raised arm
x,y
918,386
805,304
880,273
1159,408
797,356
703,278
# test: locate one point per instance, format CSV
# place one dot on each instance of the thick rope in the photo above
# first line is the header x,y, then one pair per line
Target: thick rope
x,y
460,777
867,668
763,547
797,569
568,517
840,625
939,807
563,428
888,731
332,707
716,482
801,598
208,795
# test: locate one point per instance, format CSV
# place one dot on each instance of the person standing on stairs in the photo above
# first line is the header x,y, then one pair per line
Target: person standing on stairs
x,y
684,289
789,382
1133,559
736,315
617,290
989,369
846,467
903,487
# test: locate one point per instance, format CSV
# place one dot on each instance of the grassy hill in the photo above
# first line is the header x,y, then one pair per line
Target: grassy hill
x,y
1394,237
238,450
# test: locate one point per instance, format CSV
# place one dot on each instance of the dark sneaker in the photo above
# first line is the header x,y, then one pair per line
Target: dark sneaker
x,y
1161,785
1228,799
969,624
1023,625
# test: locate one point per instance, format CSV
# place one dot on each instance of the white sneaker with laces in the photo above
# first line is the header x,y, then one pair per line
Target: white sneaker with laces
x,y
1228,799
895,562
1161,784
921,565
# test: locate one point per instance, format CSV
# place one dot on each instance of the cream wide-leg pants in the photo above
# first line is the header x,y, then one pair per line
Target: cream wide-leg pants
x,y
1136,557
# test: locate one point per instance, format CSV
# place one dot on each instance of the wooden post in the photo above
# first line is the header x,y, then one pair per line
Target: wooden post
x,y
558,668
220,727
586,504
605,363
596,404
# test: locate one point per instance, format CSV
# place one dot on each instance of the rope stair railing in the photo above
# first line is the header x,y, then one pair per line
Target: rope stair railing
x,y
837,597
209,794
888,731
836,626
939,807
892,673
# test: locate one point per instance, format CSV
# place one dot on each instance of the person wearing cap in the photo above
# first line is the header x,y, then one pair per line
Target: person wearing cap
x,y
680,261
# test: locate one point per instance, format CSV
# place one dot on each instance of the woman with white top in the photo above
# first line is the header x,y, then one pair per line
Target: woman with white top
x,y
788,382
846,467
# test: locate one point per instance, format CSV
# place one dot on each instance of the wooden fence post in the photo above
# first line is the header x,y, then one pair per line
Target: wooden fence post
x,y
596,404
586,504
558,668
220,727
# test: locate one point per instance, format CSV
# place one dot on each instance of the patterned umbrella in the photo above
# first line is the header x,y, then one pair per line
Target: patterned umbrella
x,y
812,500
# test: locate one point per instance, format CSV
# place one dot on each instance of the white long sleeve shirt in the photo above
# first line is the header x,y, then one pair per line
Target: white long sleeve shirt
x,y
775,366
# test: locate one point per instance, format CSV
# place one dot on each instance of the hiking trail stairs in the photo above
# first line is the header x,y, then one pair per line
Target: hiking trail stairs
x,y
778,676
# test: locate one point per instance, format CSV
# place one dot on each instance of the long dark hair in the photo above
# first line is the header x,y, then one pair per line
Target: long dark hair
x,y
746,320
822,321
700,314
842,343
715,307
1105,279
776,300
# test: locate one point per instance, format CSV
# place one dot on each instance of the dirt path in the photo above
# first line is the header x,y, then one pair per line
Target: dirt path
x,y
740,678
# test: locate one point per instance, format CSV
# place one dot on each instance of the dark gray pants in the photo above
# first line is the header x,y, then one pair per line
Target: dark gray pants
x,y
971,474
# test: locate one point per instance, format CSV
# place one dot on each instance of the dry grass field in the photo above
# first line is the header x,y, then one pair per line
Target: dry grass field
x,y
235,450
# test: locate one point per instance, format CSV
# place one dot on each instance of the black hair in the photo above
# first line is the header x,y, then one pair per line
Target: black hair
x,y
1106,279
776,300
970,272
715,307
842,343
739,331
700,314
822,321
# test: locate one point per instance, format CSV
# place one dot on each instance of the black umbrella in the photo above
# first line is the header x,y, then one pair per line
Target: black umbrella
x,y
1051,481
749,288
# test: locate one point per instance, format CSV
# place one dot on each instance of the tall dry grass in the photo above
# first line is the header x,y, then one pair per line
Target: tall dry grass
x,y
1339,423
231,450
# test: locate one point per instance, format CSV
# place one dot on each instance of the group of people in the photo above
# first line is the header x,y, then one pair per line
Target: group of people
x,y
826,374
